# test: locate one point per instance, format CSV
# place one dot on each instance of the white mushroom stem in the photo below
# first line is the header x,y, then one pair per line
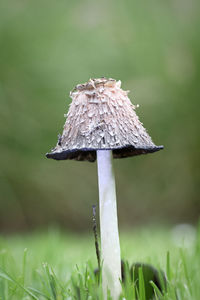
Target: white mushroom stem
x,y
110,247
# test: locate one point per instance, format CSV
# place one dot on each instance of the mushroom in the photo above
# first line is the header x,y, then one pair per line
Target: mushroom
x,y
102,123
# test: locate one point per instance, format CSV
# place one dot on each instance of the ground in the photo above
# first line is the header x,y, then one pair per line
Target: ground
x,y
54,264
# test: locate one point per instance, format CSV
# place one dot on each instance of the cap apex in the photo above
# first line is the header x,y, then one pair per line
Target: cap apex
x,y
93,83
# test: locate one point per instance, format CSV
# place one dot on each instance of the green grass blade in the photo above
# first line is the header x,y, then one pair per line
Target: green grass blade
x,y
52,282
185,271
38,292
9,278
141,285
156,289
24,266
168,268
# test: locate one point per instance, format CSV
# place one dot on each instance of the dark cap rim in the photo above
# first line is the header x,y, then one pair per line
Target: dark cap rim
x,y
89,154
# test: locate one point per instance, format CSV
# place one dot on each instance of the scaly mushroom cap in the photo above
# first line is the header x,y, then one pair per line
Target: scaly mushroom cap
x,y
101,116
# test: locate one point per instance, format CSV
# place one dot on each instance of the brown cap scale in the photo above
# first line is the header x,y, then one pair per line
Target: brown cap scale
x,y
101,116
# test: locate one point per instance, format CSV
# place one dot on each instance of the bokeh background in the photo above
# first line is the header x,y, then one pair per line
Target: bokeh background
x,y
46,48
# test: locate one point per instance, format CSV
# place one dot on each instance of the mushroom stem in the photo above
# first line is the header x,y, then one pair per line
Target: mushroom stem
x,y
110,247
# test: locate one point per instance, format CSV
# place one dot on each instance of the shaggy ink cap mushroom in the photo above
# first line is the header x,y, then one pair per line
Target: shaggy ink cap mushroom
x,y
102,123
101,117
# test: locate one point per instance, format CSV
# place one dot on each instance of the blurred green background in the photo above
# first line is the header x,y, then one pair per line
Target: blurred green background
x,y
46,48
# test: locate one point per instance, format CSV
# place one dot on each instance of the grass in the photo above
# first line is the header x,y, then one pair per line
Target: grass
x,y
55,265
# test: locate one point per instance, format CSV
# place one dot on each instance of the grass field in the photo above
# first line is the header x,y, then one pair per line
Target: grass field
x,y
59,265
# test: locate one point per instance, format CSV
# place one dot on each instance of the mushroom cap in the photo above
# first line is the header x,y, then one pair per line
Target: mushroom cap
x,y
101,117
